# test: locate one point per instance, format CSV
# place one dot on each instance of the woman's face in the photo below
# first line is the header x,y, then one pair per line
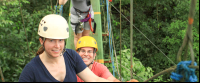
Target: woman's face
x,y
87,54
54,47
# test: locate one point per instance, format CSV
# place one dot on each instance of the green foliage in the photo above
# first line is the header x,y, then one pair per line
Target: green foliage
x,y
164,23
140,72
14,53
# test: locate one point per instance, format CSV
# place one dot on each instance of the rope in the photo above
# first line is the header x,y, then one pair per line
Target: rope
x,y
188,39
102,2
183,70
61,9
145,36
131,36
110,38
120,38
192,77
56,7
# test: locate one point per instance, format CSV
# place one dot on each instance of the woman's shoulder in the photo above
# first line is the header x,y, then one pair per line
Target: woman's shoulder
x,y
33,62
70,51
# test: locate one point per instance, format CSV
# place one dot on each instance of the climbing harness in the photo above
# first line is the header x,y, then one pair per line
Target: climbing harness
x,y
88,18
187,73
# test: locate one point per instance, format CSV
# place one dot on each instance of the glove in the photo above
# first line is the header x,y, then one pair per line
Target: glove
x,y
133,80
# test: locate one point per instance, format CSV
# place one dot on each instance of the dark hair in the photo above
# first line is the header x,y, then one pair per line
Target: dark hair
x,y
41,49
79,49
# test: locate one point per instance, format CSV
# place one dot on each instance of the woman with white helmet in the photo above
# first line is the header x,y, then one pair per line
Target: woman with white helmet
x,y
54,63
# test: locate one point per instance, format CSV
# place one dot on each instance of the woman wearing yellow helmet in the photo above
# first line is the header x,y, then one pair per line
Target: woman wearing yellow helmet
x,y
54,63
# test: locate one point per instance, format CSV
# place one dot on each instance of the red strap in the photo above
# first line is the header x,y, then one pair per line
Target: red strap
x,y
90,23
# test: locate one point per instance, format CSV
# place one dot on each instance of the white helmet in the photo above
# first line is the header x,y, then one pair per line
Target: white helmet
x,y
53,26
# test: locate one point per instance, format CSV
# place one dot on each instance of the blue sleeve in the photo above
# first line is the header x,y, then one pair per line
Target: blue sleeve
x,y
79,64
27,74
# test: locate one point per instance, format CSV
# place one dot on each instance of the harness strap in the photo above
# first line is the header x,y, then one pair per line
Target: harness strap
x,y
79,11
91,63
87,18
94,29
76,27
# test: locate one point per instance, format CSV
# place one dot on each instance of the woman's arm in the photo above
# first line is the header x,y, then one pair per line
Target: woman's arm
x,y
62,2
113,79
88,76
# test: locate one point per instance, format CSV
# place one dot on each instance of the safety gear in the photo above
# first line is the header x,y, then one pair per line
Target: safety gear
x,y
79,25
53,26
86,41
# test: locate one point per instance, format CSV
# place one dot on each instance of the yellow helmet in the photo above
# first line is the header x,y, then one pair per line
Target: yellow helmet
x,y
86,41
53,26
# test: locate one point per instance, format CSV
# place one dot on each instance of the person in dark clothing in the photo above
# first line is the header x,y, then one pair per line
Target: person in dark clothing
x,y
54,63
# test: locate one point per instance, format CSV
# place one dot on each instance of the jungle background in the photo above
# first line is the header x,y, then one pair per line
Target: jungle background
x,y
164,22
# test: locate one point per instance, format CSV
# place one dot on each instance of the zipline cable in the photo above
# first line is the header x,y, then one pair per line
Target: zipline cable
x,y
131,36
120,39
145,36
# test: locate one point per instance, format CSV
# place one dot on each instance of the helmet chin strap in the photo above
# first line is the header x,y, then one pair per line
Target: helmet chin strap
x,y
91,63
93,59
44,47
63,50
43,43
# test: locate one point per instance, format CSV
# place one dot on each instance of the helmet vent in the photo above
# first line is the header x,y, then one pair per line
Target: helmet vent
x,y
79,42
67,29
41,24
45,28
